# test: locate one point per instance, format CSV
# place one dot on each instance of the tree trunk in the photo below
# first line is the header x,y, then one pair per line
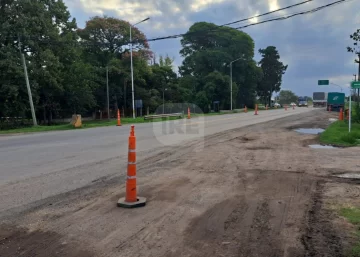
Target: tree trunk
x,y
44,114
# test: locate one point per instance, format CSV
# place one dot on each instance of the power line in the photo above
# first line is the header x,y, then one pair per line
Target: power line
x,y
295,14
267,13
256,23
84,43
238,21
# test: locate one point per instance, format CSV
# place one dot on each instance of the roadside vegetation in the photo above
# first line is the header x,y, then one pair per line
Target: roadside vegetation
x,y
353,216
338,134
85,125
79,61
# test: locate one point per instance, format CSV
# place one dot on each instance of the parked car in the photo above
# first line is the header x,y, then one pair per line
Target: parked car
x,y
293,104
277,105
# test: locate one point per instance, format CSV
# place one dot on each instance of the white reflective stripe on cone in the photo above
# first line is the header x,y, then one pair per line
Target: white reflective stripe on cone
x,y
131,177
131,162
132,151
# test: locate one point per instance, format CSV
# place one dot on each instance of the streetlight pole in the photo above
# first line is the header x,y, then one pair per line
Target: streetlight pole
x,y
337,86
231,94
132,68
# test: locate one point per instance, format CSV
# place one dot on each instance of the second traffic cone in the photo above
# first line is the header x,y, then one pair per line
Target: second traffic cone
x,y
256,109
285,107
131,200
118,118
341,114
293,107
245,109
189,117
267,107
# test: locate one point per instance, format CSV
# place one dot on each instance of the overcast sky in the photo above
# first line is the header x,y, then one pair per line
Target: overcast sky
x,y
313,45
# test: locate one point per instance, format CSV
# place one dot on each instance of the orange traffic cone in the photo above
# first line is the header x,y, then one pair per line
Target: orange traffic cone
x,y
293,107
341,114
245,109
329,108
131,200
189,117
118,118
256,109
267,107
285,107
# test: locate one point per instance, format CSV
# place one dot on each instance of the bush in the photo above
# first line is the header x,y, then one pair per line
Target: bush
x,y
351,138
356,113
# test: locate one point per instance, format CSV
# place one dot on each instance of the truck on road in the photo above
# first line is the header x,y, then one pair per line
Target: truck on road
x,y
319,99
335,100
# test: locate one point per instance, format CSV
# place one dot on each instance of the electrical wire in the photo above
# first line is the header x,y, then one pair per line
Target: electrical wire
x,y
206,32
256,23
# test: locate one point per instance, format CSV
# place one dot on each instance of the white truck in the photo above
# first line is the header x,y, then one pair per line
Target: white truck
x,y
319,99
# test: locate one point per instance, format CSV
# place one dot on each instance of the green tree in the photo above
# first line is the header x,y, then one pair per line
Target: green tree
x,y
355,49
167,61
42,26
104,39
272,69
107,36
207,55
287,97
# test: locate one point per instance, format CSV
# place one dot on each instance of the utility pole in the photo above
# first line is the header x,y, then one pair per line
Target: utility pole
x,y
132,68
28,85
107,92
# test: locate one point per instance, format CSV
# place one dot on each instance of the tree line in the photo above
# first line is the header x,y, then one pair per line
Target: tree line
x,y
68,66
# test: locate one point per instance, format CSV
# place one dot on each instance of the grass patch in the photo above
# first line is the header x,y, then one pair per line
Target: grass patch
x,y
338,134
86,124
353,216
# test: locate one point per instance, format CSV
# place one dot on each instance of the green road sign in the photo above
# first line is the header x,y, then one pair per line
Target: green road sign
x,y
323,82
355,84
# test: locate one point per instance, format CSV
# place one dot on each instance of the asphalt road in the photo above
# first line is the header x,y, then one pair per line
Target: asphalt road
x,y
36,166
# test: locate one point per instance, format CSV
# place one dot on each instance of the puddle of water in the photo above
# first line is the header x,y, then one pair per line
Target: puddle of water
x,y
349,175
312,131
321,146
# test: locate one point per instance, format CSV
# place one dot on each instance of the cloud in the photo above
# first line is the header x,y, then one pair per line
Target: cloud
x,y
313,45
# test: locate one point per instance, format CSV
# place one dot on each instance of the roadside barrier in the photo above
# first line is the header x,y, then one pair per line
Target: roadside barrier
x,y
118,118
131,200
256,109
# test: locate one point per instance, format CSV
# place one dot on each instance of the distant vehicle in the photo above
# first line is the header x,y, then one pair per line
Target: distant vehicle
x,y
277,105
319,99
302,101
335,100
293,104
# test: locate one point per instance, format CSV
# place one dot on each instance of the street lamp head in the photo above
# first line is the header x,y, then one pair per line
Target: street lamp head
x,y
148,18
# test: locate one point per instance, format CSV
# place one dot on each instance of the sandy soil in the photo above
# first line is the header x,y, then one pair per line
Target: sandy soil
x,y
254,191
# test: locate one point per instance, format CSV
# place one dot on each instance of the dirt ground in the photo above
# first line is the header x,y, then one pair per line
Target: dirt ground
x,y
254,191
